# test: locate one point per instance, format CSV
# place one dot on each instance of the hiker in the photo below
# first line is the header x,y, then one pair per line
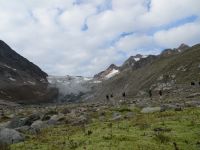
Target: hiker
x,y
150,94
193,83
107,97
160,93
124,94
111,96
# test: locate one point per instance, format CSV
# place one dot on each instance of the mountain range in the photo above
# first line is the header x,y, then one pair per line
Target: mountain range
x,y
24,82
171,71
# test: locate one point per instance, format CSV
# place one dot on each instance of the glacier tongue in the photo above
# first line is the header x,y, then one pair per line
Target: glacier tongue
x,y
72,86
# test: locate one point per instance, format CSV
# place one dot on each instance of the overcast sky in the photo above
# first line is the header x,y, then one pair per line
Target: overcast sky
x,y
83,37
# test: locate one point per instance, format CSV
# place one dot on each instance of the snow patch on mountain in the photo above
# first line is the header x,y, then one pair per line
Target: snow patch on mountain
x,y
112,74
12,79
136,59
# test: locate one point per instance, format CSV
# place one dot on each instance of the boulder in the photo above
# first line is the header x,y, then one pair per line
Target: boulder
x,y
23,129
4,124
150,109
129,115
194,103
56,119
45,117
37,126
166,107
193,95
10,136
30,119
16,123
116,116
65,111
80,120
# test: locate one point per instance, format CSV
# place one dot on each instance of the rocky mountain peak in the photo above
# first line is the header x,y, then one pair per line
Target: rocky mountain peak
x,y
112,66
183,47
130,62
111,71
167,52
138,56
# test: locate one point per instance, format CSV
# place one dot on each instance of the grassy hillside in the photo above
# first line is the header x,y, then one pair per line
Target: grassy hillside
x,y
158,131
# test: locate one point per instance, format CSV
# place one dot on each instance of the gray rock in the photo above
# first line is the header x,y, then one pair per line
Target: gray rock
x,y
37,126
150,109
80,120
16,123
65,111
129,115
116,116
4,124
30,119
45,117
9,136
56,119
166,107
192,103
23,129
193,95
11,116
52,122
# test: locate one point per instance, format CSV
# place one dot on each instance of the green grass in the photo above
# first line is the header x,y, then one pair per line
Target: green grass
x,y
138,133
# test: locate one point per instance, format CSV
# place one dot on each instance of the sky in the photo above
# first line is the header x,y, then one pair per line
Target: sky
x,y
83,37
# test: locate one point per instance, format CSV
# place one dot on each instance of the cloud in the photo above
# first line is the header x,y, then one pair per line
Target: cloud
x,y
173,37
164,12
83,37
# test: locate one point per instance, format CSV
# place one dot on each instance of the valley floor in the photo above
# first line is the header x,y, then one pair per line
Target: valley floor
x,y
122,128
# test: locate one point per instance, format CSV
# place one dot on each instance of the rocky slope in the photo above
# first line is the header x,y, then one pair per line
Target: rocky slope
x,y
21,80
172,71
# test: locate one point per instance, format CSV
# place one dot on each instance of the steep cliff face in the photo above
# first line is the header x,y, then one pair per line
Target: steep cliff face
x,y
20,79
